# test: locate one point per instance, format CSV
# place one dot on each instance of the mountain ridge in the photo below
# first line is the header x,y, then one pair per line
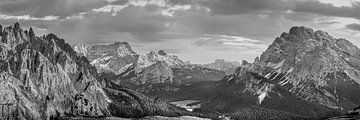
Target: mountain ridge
x,y
142,68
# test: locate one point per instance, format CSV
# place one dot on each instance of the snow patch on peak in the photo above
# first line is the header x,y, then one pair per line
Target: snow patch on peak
x,y
263,92
262,96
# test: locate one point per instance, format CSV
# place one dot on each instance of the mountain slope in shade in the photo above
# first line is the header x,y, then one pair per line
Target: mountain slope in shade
x,y
249,88
353,114
220,64
41,76
44,78
196,73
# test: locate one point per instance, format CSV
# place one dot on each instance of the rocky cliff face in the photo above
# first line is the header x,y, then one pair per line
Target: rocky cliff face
x,y
220,64
43,78
318,67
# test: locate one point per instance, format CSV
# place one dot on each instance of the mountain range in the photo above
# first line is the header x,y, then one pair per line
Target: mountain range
x,y
303,74
44,78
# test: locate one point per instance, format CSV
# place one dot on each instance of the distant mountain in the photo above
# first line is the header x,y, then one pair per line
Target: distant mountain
x,y
119,63
152,57
220,64
43,78
114,58
196,73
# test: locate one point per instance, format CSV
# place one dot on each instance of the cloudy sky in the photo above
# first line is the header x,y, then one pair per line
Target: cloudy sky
x,y
196,30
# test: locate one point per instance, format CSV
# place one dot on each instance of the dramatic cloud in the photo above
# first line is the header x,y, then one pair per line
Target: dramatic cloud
x,y
314,6
164,7
42,8
230,7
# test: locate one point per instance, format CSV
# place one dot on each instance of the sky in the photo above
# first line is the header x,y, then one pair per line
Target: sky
x,y
196,30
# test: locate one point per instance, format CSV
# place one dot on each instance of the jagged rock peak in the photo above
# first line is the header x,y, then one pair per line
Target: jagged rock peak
x,y
244,62
296,30
17,25
152,52
48,62
162,52
159,52
305,55
1,30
